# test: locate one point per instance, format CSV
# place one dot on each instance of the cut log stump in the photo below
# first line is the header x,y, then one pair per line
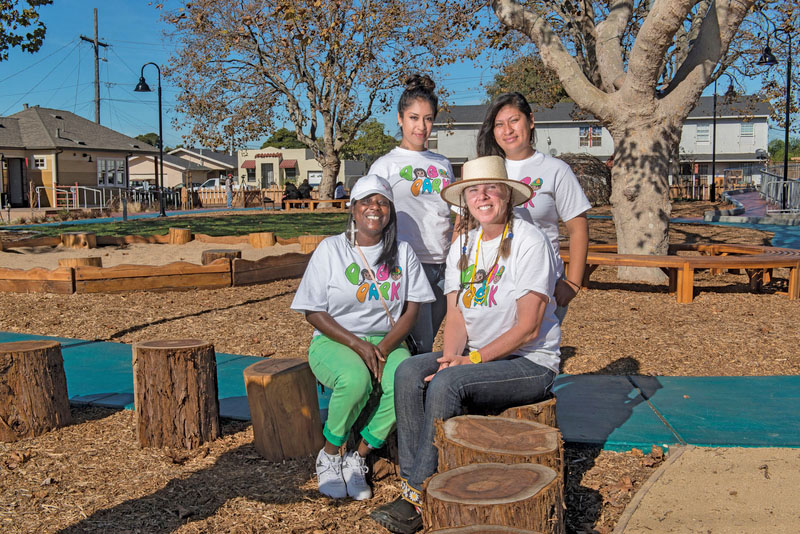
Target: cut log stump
x,y
179,236
175,393
91,261
543,412
212,255
525,496
79,240
308,243
282,394
472,439
261,239
33,389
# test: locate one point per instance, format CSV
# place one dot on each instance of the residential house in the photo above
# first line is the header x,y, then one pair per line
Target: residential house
x,y
276,166
742,136
184,166
52,157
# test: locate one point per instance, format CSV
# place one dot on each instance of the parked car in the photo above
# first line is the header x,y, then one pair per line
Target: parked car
x,y
214,183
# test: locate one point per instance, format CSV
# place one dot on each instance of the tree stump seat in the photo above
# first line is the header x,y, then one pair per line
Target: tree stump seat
x,y
79,240
483,529
175,393
524,496
284,409
33,389
179,236
213,255
261,239
90,261
309,243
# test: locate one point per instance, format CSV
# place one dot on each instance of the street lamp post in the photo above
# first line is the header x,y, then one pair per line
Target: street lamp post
x,y
142,87
768,59
730,93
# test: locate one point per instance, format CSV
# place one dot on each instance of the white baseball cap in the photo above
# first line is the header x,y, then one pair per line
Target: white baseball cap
x,y
369,185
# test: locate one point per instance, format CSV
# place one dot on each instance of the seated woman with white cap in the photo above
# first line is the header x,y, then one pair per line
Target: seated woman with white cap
x,y
361,291
501,335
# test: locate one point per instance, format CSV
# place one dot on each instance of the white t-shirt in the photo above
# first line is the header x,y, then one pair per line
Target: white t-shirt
x,y
491,310
336,281
557,194
423,218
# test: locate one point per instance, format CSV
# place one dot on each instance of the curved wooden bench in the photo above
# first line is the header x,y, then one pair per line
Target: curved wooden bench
x,y
757,261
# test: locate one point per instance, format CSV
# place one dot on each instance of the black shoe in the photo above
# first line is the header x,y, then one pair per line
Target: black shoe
x,y
399,516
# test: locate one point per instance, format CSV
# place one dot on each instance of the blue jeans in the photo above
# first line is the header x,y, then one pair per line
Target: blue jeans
x,y
494,385
431,314
229,198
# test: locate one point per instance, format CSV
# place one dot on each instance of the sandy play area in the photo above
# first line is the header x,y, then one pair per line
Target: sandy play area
x,y
136,254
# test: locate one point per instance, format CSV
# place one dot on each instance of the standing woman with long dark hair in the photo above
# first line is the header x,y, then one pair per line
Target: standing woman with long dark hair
x,y
417,177
508,131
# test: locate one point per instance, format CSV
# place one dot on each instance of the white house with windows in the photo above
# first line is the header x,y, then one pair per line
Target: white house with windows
x,y
742,136
272,166
51,155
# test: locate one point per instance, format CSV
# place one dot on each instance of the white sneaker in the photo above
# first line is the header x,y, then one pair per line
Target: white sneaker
x,y
353,469
329,475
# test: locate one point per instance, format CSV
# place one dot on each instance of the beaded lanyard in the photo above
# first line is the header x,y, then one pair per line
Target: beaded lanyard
x,y
496,259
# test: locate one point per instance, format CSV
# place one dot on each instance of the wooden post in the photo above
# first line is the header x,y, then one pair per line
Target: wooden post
x,y
473,439
282,394
308,243
91,261
79,240
175,393
261,239
525,496
179,236
33,389
212,255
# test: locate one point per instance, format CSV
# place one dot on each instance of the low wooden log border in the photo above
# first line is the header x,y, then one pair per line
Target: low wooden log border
x,y
757,261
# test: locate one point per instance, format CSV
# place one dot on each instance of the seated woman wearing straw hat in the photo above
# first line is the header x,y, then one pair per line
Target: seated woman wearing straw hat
x,y
361,292
501,336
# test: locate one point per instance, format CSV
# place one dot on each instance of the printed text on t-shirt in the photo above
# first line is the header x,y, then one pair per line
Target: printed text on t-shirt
x,y
367,290
425,182
481,288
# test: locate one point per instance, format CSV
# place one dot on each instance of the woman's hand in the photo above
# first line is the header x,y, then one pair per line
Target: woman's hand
x,y
448,361
565,291
372,356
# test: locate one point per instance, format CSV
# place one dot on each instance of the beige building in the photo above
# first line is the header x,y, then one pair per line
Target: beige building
x,y
52,157
276,166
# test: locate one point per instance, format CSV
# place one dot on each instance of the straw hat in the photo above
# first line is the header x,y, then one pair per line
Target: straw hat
x,y
486,170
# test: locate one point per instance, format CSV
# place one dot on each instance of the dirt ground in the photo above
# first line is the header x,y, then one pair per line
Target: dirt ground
x,y
92,477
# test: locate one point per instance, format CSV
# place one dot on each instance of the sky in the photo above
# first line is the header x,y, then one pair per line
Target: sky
x,y
61,74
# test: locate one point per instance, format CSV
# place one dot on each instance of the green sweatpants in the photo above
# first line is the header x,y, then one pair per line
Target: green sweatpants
x,y
339,368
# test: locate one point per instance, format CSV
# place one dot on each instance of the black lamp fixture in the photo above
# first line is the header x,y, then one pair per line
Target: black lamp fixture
x,y
768,59
729,94
142,87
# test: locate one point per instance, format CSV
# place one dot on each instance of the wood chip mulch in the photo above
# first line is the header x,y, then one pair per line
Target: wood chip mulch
x,y
93,477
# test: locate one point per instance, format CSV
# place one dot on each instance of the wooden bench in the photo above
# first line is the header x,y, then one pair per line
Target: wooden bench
x,y
757,261
312,204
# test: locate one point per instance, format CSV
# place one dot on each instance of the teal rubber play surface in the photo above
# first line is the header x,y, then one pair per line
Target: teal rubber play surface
x,y
615,412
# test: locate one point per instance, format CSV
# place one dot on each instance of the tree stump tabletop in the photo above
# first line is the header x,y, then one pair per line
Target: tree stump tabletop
x,y
213,255
79,240
175,393
33,389
526,496
471,439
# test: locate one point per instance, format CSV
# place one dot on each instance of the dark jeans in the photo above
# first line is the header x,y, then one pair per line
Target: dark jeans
x,y
495,385
431,314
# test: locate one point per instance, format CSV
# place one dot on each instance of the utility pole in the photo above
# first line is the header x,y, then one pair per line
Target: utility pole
x,y
96,44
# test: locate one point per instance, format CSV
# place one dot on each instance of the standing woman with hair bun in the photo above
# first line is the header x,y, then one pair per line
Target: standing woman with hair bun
x,y
507,131
417,177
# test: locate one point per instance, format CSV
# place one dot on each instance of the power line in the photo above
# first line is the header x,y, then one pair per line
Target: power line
x,y
36,63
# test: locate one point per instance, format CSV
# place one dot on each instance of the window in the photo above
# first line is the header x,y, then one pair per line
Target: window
x,y
703,134
39,162
251,175
590,136
111,172
746,129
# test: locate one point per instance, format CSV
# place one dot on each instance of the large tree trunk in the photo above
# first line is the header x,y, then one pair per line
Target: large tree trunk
x,y
330,172
640,190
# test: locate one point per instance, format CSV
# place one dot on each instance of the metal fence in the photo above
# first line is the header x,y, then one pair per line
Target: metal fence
x,y
72,197
782,196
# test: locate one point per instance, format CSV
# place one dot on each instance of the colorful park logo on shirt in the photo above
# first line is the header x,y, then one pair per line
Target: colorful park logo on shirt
x,y
481,291
367,290
425,182
535,185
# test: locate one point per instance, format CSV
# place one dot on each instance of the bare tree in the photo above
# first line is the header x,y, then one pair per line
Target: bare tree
x,y
324,65
639,66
